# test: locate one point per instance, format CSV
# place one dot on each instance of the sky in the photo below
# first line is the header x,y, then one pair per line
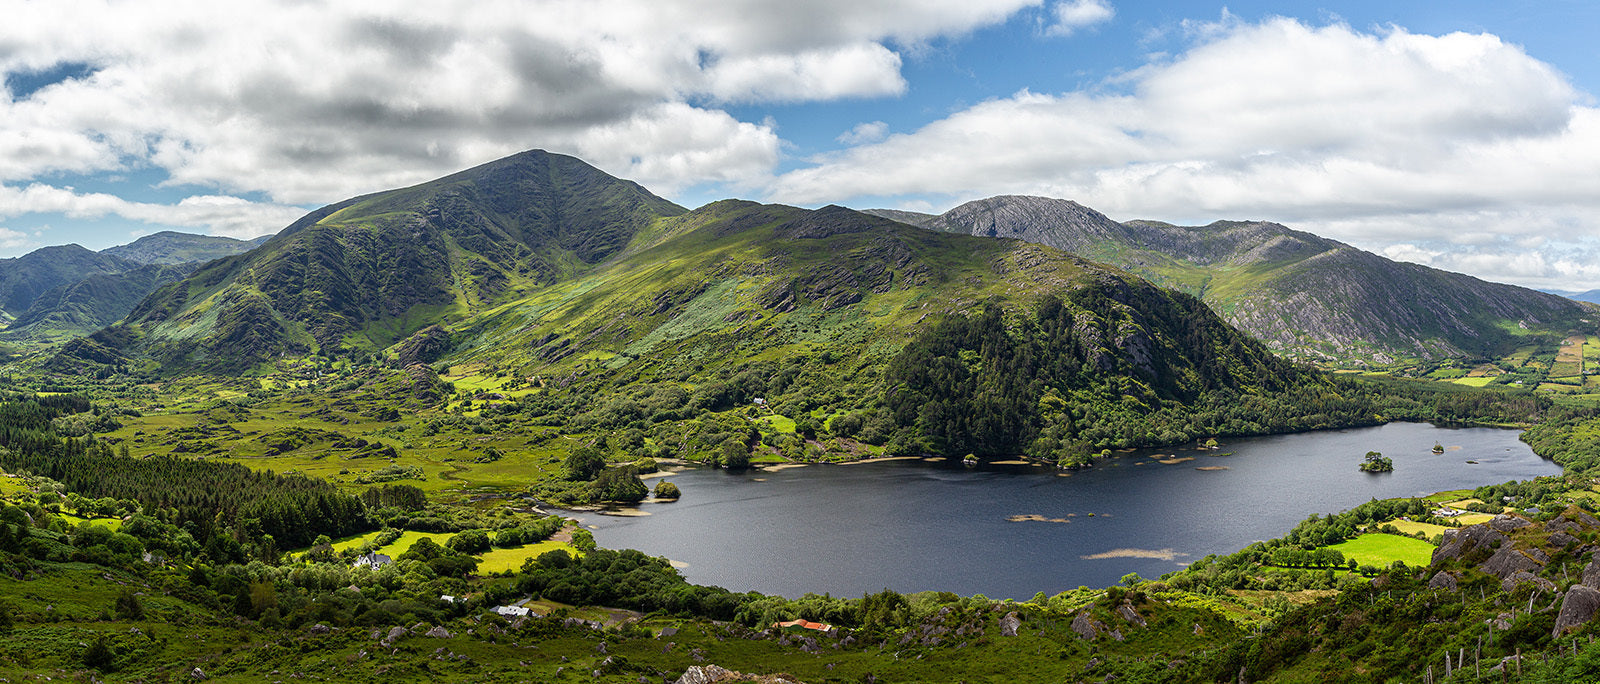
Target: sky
x,y
1463,135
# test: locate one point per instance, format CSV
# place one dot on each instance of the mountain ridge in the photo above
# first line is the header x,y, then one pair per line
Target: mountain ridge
x,y
1305,295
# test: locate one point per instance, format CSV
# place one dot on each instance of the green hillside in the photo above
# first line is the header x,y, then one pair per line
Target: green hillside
x,y
92,303
171,247
1307,297
367,272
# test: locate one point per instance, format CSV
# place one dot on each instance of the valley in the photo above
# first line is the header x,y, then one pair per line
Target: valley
x,y
376,447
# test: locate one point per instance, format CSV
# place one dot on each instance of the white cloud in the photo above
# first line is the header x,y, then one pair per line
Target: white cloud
x,y
853,70
15,240
1072,15
1372,138
217,215
313,101
871,131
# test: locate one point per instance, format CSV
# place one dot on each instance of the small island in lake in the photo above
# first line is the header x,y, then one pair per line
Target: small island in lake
x,y
1376,463
1438,448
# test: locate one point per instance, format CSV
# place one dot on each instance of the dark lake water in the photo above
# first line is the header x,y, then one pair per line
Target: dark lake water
x,y
915,526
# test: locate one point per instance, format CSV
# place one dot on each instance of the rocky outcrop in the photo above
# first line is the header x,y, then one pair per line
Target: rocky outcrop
x,y
1459,543
1522,576
1508,561
1505,522
1591,572
1443,580
1009,624
1577,608
1089,629
713,674
1126,612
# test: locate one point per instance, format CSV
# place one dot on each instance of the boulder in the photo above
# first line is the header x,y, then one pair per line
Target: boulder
x,y
1127,613
1508,561
393,636
1562,539
1591,572
1086,627
319,628
1457,543
1577,607
438,633
1009,624
1561,525
1521,576
1443,580
1506,522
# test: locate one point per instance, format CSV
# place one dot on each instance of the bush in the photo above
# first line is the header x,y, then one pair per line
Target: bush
x,y
469,542
667,490
128,606
98,655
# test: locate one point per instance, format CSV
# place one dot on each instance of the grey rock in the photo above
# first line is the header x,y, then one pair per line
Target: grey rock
x,y
319,628
1457,543
1508,561
1132,616
1443,580
197,674
1591,572
1521,576
1009,624
1506,522
438,633
1562,539
393,636
1085,627
707,674
1577,607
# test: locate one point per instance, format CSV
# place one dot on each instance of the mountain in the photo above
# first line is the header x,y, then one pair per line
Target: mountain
x,y
169,247
24,278
548,271
1308,297
55,292
1591,296
367,272
91,303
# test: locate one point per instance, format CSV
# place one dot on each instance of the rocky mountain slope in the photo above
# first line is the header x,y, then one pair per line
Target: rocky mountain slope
x,y
24,278
1308,297
365,273
171,247
57,292
547,269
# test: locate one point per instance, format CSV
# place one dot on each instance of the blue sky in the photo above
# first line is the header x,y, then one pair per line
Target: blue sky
x,y
1463,135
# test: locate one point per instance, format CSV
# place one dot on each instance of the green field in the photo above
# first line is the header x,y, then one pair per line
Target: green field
x,y
1380,550
1409,527
510,560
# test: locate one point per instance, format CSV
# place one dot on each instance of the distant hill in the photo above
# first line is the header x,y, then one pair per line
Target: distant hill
x,y
24,278
169,247
1308,297
1591,296
57,292
92,303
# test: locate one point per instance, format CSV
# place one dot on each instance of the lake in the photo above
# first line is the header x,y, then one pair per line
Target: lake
x,y
915,525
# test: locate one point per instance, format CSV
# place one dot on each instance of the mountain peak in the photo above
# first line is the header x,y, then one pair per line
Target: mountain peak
x,y
1346,303
370,270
